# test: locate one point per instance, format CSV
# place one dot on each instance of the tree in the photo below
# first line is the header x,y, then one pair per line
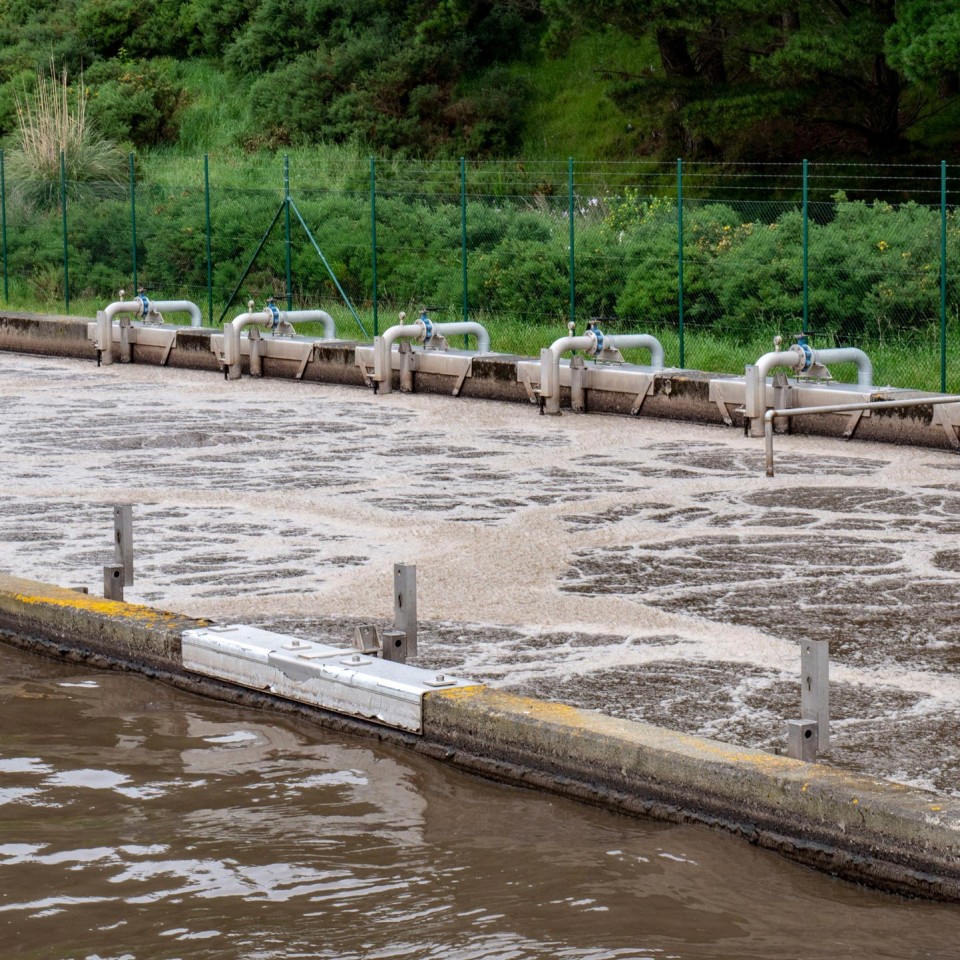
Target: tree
x,y
762,78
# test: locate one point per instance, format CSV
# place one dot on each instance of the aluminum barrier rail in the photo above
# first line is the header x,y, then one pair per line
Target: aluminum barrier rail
x,y
839,408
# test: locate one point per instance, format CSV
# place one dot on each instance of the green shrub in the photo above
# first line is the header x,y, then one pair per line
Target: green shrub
x,y
52,122
135,102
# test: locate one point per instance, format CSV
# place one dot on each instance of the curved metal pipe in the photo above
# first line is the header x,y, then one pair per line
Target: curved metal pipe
x,y
105,317
422,331
268,318
592,342
550,366
231,338
468,328
799,357
640,341
312,316
794,359
849,355
178,306
141,307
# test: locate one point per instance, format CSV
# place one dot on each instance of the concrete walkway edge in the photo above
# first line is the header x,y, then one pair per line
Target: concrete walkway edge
x,y
866,830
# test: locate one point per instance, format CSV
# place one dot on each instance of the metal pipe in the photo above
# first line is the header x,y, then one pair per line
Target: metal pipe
x,y
104,343
799,357
231,338
178,306
467,328
272,318
849,355
550,366
840,408
422,329
591,343
639,341
141,307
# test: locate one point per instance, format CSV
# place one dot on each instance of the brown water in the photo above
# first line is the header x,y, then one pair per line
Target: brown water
x,y
141,823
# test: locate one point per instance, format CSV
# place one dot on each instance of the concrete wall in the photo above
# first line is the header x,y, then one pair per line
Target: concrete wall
x,y
866,830
678,394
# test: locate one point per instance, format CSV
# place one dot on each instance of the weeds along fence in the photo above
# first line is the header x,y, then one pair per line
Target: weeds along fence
x,y
712,259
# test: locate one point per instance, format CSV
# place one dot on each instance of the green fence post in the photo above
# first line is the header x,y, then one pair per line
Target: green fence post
x,y
133,224
806,248
286,227
373,243
573,270
680,261
463,243
206,203
943,276
63,212
3,229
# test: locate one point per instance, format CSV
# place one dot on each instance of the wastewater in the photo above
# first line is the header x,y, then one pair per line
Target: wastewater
x,y
644,568
138,822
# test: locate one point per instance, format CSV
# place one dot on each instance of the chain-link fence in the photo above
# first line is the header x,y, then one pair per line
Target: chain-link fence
x,y
714,261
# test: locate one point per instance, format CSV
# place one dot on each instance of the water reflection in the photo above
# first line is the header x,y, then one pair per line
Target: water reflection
x,y
139,822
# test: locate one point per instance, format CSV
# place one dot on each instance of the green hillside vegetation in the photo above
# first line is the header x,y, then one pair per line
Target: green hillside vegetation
x,y
743,80
111,105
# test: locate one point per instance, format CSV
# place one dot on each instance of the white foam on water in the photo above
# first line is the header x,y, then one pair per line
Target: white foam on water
x,y
584,558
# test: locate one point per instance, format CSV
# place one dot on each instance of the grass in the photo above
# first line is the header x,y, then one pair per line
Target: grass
x,y
578,118
52,127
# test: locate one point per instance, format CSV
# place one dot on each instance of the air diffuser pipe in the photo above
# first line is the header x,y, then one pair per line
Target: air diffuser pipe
x,y
273,318
800,357
422,330
591,343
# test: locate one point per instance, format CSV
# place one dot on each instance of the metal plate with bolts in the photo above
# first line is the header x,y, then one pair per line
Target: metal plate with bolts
x,y
334,678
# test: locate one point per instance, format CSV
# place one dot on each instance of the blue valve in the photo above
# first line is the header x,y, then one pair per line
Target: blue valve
x,y
274,312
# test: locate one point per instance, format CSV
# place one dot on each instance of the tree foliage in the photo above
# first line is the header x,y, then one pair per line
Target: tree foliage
x,y
731,79
761,79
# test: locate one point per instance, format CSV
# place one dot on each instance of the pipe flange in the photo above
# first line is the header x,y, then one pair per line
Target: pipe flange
x,y
274,312
427,325
807,353
144,302
597,337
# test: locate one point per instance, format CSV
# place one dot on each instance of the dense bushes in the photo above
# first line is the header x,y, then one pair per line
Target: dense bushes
x,y
874,268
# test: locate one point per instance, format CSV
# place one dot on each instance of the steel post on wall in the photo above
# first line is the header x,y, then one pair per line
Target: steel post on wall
x,y
405,604
286,231
3,228
680,260
123,540
463,243
806,248
206,203
815,688
943,276
63,212
573,270
373,242
133,223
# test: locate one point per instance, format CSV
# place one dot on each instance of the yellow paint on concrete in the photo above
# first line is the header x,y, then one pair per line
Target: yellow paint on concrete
x,y
458,693
69,599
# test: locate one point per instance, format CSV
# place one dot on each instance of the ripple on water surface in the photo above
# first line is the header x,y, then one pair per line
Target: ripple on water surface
x,y
164,826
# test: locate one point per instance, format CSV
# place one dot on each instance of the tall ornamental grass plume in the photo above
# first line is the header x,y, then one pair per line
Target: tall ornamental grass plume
x,y
52,119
